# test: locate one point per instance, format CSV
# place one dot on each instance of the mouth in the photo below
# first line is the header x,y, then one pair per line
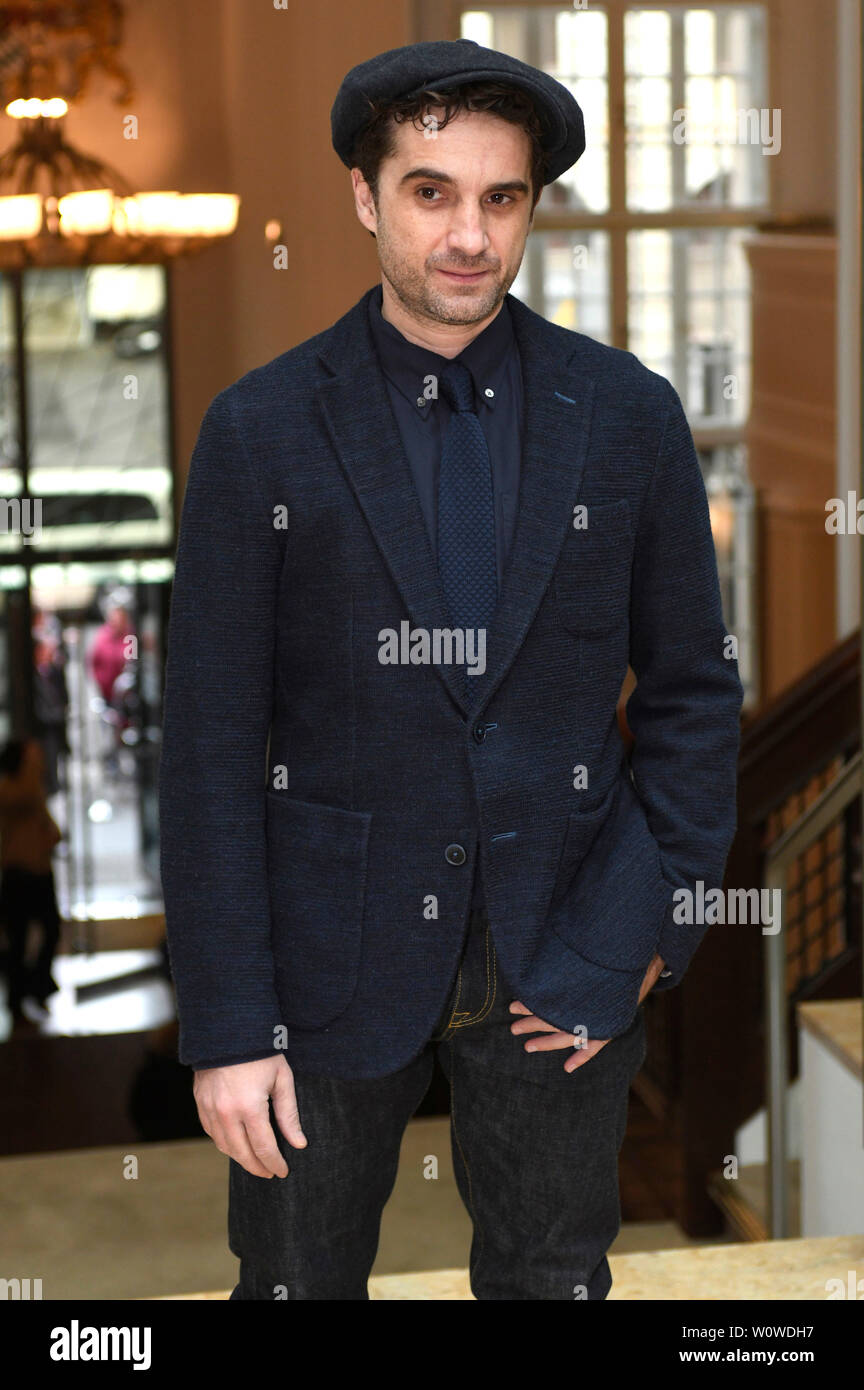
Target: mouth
x,y
462,277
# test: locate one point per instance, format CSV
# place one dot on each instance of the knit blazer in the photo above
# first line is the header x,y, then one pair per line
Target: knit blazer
x,y
321,808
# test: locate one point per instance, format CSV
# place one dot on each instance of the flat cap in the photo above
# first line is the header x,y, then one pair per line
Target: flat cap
x,y
445,64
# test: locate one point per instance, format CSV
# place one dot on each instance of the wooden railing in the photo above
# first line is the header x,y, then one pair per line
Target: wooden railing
x,y
705,1070
813,932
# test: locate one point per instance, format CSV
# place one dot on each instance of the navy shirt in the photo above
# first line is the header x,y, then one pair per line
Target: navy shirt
x,y
493,361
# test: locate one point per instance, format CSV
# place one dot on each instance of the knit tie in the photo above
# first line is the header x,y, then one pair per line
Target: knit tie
x,y
466,516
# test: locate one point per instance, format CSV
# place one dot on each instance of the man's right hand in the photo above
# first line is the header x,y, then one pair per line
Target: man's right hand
x,y
233,1107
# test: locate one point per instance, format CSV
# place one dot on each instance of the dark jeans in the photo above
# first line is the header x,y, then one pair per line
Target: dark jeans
x,y
27,897
535,1150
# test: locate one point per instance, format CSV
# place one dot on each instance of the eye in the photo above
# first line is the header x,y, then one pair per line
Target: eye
x,y
501,195
427,188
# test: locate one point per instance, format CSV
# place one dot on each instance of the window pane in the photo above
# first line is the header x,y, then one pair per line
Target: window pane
x,y
10,475
99,450
689,317
649,152
565,277
731,503
698,126
646,39
570,45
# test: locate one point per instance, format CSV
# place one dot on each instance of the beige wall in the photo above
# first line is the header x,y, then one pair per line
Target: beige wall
x,y
280,70
791,450
801,73
235,96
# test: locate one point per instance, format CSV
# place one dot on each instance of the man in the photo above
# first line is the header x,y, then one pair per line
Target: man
x,y
417,553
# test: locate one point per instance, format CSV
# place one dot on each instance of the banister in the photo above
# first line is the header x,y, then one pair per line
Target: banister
x,y
795,841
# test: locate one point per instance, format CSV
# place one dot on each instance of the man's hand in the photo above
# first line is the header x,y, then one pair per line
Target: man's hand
x,y
583,1052
233,1109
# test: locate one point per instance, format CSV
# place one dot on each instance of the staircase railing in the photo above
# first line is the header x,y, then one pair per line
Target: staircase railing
x,y
706,1070
810,828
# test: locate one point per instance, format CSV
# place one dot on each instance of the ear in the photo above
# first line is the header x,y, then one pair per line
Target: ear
x,y
364,203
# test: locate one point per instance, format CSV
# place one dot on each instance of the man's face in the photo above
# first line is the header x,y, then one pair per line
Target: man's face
x,y
452,215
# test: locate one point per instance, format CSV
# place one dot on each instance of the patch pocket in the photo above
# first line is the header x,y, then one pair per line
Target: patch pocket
x,y
592,578
317,859
582,827
617,901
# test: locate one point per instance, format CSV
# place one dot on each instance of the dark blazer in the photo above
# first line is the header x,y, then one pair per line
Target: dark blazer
x,y
322,885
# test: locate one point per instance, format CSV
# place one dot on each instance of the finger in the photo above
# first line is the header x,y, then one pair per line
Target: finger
x,y
533,1024
285,1109
518,1008
584,1054
229,1136
553,1042
262,1141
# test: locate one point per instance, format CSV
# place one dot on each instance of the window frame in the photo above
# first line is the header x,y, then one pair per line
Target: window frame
x,y
435,19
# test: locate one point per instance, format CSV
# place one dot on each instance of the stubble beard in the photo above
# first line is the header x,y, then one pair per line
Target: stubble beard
x,y
416,292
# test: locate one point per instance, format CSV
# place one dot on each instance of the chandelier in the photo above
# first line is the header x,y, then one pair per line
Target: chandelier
x,y
58,205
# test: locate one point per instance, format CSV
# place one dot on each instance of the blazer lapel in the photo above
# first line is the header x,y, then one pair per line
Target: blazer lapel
x,y
557,420
357,409
558,402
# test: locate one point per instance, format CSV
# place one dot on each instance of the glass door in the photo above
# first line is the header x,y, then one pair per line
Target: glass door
x,y
86,543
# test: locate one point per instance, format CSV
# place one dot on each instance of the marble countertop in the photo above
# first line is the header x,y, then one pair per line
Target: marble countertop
x,y
757,1271
838,1024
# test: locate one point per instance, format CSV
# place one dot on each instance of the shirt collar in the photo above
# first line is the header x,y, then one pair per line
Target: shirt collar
x,y
407,364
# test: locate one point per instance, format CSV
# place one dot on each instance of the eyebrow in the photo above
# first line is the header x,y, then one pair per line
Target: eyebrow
x,y
505,186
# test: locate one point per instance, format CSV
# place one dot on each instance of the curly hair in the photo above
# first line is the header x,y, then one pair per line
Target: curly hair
x,y
376,140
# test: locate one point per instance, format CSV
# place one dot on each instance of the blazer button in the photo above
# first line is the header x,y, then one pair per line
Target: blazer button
x,y
455,854
479,733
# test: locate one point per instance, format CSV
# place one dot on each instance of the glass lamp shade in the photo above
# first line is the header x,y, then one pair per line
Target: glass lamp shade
x,y
87,213
20,216
207,214
177,215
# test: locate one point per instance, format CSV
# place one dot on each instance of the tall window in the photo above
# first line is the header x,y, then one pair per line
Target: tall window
x,y
640,244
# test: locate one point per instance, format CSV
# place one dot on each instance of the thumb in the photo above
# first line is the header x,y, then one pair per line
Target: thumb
x,y
285,1109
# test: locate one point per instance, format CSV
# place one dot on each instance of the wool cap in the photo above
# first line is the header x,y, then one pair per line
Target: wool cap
x,y
445,64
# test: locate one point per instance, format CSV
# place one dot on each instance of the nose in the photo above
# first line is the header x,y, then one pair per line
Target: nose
x,y
467,232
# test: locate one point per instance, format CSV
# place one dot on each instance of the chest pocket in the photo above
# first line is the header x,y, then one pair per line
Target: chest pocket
x,y
592,580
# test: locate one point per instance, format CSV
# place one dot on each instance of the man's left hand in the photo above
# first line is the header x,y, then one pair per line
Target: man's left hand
x,y
582,1052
